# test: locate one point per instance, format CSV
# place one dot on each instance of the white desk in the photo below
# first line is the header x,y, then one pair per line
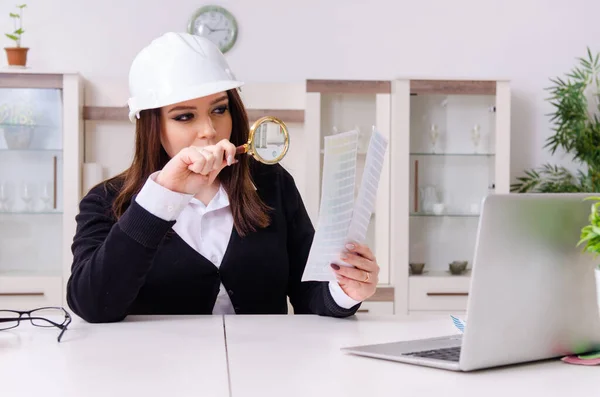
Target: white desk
x,y
300,356
142,356
267,356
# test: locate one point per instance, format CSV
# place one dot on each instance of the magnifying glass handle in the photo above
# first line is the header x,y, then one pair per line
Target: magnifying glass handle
x,y
240,149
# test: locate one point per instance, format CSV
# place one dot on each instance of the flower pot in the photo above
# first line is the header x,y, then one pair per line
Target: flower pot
x,y
17,56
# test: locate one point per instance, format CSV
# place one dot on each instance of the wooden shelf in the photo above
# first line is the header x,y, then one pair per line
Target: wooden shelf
x,y
32,150
382,294
349,86
452,87
444,215
116,113
30,80
424,154
106,113
417,87
32,212
441,274
286,115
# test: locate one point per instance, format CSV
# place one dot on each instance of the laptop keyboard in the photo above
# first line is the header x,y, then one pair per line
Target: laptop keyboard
x,y
446,354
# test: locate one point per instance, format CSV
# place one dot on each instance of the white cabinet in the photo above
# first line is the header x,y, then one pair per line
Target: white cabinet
x,y
28,292
40,184
339,106
438,293
450,148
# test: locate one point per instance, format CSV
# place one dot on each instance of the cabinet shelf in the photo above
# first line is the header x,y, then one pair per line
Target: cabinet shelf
x,y
4,213
440,273
358,153
14,273
33,150
453,154
444,215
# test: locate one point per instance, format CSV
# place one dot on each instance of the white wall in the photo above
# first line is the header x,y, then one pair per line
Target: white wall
x,y
527,41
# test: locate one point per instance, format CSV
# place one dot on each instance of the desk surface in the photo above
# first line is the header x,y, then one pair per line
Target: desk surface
x,y
255,356
300,356
141,356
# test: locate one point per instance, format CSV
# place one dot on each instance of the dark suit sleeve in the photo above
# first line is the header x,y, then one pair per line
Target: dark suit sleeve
x,y
307,297
110,259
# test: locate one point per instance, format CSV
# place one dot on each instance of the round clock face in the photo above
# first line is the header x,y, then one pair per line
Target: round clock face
x,y
216,24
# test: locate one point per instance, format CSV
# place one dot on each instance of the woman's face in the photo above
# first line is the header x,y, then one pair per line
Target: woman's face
x,y
197,122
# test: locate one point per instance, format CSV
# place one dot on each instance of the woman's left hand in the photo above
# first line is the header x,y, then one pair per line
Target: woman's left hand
x,y
359,282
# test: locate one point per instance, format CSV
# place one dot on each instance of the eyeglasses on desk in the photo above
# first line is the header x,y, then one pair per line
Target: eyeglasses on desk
x,y
41,317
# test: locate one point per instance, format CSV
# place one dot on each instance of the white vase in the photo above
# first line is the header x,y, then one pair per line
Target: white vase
x,y
18,136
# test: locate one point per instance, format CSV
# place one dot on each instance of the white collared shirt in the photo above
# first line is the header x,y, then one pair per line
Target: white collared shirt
x,y
207,229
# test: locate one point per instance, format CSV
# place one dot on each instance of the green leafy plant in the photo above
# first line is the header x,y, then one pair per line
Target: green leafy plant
x,y
576,129
590,234
18,25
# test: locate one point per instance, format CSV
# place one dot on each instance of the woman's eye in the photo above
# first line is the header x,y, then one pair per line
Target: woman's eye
x,y
220,109
184,117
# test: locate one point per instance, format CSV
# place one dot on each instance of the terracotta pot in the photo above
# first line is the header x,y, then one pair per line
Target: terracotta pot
x,y
17,56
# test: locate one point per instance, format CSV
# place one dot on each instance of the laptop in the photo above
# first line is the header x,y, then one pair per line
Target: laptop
x,y
532,292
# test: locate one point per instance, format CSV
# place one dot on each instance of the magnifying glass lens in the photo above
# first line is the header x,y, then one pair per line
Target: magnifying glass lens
x,y
269,141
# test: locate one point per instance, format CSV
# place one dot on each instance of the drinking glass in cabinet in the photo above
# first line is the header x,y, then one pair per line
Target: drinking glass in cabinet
x,y
46,190
5,196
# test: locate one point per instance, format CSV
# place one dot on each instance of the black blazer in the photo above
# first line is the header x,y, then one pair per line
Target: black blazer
x,y
139,265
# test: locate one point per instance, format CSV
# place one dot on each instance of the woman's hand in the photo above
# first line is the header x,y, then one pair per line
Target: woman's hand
x,y
360,282
195,167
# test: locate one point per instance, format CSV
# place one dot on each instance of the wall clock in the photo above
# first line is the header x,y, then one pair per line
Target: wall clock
x,y
216,24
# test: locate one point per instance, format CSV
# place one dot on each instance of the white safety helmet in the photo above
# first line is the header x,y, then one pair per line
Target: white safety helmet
x,y
177,67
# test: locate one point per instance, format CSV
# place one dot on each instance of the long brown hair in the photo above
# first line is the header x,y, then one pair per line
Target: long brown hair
x,y
248,210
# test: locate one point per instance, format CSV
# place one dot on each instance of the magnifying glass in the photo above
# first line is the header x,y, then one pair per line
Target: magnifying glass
x,y
268,140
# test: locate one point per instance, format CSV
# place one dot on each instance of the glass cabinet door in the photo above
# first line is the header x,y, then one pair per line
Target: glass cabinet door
x,y
31,158
452,168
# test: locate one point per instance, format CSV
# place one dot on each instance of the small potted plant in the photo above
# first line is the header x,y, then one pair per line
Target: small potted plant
x,y
590,237
17,55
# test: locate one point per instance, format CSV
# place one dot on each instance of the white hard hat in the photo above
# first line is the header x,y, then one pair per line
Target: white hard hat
x,y
177,67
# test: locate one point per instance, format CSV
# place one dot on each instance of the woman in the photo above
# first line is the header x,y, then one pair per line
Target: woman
x,y
189,228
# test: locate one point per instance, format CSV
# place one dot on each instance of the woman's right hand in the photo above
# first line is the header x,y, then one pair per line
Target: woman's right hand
x,y
195,167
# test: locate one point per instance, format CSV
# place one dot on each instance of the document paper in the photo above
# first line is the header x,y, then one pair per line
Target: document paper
x,y
341,218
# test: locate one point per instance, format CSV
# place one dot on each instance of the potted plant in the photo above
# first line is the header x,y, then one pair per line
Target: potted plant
x,y
17,55
590,237
576,125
